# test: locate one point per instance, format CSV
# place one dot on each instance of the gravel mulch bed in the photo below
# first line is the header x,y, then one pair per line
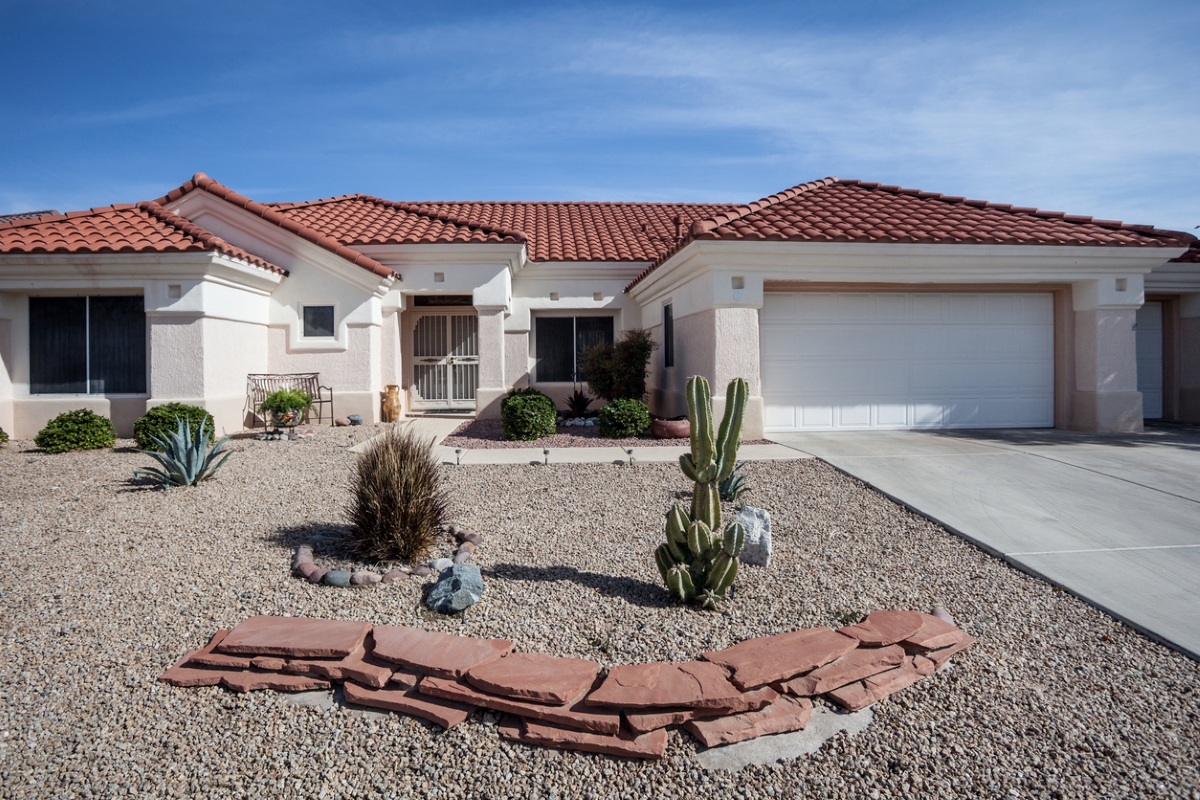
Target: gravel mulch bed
x,y
106,583
484,434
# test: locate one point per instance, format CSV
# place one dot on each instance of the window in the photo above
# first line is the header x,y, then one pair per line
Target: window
x,y
561,342
318,321
668,335
87,345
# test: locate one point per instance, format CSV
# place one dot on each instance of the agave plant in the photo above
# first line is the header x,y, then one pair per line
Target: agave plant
x,y
578,402
185,460
733,486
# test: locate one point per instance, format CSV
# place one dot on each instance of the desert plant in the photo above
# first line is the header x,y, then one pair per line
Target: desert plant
x,y
618,371
733,486
161,420
185,459
398,502
623,418
699,560
578,402
527,414
80,429
283,400
3,436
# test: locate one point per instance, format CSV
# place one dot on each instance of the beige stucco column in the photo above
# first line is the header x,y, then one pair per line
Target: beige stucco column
x,y
736,355
1106,396
491,386
1189,358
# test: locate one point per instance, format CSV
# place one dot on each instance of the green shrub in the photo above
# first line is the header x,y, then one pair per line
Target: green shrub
x,y
3,436
527,414
286,400
76,430
397,500
624,418
618,371
160,421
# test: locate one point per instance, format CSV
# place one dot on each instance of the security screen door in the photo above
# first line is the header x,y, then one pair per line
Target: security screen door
x,y
445,350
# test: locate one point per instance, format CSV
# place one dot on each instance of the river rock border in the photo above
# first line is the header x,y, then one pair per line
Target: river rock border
x,y
304,565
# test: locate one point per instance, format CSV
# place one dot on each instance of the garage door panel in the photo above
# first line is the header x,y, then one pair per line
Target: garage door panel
x,y
895,360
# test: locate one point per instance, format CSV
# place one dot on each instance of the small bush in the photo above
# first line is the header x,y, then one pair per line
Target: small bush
x,y
3,436
618,371
76,430
397,501
284,400
160,421
624,418
527,414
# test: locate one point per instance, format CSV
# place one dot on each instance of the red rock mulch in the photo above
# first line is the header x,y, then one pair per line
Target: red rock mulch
x,y
758,687
484,434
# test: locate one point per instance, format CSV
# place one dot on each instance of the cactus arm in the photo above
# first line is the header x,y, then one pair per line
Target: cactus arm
x,y
664,562
679,581
700,412
736,397
688,467
735,539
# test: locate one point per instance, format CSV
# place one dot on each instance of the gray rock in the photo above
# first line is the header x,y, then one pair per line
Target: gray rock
x,y
421,571
365,577
440,564
462,557
338,577
355,419
757,522
457,588
393,575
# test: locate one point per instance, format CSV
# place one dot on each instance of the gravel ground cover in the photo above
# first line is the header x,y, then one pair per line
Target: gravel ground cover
x,y
106,583
484,434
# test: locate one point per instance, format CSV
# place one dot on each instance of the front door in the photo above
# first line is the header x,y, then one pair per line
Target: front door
x,y
445,352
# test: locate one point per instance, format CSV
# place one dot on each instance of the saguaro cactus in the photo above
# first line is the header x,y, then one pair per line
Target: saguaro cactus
x,y
699,561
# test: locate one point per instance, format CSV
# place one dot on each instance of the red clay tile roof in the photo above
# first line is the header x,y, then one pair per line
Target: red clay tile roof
x,y
50,212
205,183
554,231
1192,256
833,210
141,228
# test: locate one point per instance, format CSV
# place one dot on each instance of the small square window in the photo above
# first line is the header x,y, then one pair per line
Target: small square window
x,y
318,321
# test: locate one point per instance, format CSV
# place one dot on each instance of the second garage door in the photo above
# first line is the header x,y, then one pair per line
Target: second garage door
x,y
835,361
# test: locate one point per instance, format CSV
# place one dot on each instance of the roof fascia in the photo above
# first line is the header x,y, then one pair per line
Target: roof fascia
x,y
585,270
21,271
1175,276
515,256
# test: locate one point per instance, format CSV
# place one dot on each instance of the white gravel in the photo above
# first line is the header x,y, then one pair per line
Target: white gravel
x,y
106,583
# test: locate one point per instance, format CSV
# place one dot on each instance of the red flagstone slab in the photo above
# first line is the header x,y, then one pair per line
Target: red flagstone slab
x,y
852,696
278,681
882,628
854,666
783,716
300,637
361,666
210,659
440,654
536,678
870,690
406,678
646,745
570,715
693,684
646,721
934,634
770,659
182,674
409,701
268,663
939,657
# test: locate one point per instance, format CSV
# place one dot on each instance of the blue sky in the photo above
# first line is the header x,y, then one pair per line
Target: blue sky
x,y
1089,108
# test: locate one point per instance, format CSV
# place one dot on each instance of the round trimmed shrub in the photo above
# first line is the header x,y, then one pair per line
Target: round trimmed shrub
x,y
76,430
161,420
624,418
527,414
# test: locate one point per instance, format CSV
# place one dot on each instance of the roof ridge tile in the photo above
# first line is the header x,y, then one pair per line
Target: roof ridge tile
x,y
205,237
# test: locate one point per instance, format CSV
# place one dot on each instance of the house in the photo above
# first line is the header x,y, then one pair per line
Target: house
x,y
846,305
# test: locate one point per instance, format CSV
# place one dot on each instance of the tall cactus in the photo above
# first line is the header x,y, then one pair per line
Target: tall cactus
x,y
699,560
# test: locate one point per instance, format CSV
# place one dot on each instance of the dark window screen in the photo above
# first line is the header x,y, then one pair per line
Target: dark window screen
x,y
318,320
555,353
589,332
57,345
668,336
117,344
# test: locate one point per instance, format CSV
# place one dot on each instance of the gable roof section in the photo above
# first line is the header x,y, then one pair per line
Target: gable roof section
x,y
202,182
553,231
833,210
142,228
1192,256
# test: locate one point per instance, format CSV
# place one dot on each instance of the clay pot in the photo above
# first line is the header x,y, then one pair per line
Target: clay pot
x,y
677,428
391,403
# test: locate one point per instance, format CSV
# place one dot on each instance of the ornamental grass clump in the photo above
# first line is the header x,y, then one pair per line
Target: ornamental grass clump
x,y
80,429
398,502
699,561
185,460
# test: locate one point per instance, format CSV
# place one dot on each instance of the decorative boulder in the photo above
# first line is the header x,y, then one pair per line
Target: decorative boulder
x,y
355,419
439,564
757,522
458,588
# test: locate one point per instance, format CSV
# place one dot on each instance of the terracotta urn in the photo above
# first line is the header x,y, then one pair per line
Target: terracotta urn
x,y
677,428
391,403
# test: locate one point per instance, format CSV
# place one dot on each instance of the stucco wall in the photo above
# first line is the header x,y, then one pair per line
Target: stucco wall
x,y
353,374
1189,358
516,358
1106,396
6,420
176,357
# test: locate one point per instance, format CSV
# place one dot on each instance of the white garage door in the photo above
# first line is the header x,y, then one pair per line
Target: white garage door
x,y
888,360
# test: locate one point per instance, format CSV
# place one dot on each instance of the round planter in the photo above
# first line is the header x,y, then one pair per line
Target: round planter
x,y
678,428
288,419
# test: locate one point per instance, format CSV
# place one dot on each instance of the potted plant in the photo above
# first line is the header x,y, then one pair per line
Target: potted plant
x,y
672,428
287,406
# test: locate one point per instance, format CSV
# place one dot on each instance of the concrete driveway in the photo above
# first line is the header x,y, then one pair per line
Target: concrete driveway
x,y
1114,518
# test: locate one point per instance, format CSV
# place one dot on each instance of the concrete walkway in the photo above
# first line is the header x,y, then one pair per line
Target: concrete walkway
x,y
1114,518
